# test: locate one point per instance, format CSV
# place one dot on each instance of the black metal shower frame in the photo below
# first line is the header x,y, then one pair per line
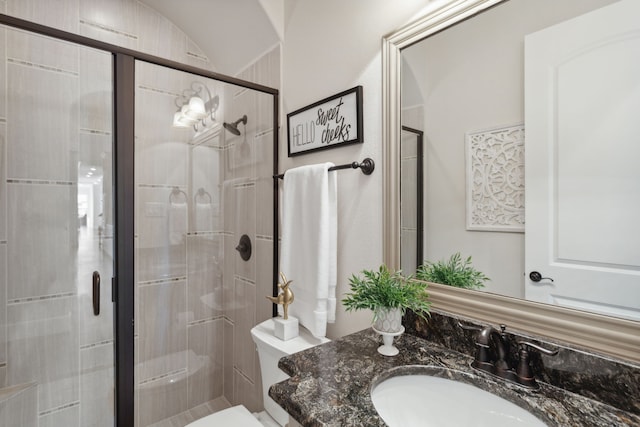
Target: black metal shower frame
x,y
123,284
419,193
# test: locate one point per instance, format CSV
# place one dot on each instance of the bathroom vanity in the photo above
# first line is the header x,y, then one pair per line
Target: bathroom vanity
x,y
331,384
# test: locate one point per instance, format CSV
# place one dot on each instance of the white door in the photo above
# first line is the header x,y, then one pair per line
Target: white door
x,y
582,119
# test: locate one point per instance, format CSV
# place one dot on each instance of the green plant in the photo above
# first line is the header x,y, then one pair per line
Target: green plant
x,y
387,289
454,272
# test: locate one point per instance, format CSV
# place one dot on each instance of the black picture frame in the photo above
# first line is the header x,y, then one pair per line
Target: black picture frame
x,y
329,123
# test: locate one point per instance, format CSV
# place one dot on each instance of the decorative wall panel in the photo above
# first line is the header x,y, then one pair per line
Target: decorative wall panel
x,y
495,179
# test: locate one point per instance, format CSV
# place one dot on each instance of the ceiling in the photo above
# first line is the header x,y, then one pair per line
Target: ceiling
x,y
232,33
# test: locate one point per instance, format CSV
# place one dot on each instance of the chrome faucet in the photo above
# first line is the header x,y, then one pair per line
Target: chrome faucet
x,y
492,355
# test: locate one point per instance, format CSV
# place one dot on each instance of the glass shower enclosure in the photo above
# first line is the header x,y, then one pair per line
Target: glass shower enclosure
x,y
198,189
115,164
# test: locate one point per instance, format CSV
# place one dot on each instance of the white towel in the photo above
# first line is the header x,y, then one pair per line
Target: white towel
x,y
177,223
309,241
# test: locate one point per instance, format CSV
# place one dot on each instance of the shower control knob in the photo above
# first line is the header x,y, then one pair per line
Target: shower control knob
x,y
244,247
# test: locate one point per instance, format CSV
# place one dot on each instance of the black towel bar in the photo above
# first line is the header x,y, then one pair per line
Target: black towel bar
x,y
366,166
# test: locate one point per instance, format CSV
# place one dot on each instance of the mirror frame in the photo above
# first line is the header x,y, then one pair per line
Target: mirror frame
x,y
602,334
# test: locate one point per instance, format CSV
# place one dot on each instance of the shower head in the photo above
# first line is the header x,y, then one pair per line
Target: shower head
x,y
233,127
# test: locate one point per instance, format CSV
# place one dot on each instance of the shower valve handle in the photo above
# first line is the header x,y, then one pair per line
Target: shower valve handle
x,y
244,247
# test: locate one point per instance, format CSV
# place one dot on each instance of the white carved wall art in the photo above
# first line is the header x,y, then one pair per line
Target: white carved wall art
x,y
495,179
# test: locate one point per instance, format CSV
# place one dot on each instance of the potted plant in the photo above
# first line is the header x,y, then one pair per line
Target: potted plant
x,y
454,272
388,294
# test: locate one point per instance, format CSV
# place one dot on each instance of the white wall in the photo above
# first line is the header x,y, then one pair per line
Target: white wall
x,y
331,46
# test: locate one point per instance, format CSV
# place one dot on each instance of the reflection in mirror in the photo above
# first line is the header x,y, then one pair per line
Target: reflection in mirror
x,y
411,193
563,73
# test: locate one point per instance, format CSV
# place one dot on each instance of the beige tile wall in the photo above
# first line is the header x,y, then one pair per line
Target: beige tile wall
x,y
40,315
18,405
196,300
179,274
248,190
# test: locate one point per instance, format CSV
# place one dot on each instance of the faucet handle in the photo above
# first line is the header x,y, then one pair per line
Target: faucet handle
x,y
523,371
469,327
478,328
543,350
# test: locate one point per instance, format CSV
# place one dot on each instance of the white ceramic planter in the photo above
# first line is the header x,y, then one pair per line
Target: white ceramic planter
x,y
388,320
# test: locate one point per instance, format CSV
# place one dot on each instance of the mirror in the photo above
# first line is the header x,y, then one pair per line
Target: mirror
x,y
496,113
476,164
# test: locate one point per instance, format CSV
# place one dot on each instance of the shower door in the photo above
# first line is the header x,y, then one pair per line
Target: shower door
x,y
178,248
95,178
201,185
56,233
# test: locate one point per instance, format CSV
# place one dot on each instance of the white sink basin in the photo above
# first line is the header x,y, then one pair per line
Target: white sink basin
x,y
424,400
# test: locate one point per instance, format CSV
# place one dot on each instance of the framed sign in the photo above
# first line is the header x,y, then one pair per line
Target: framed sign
x,y
328,123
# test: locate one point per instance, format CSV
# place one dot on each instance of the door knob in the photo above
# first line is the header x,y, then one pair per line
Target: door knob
x,y
536,277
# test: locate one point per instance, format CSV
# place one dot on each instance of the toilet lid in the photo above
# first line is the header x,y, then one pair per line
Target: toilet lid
x,y
234,416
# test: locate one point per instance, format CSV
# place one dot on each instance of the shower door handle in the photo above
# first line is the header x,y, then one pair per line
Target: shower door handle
x,y
96,293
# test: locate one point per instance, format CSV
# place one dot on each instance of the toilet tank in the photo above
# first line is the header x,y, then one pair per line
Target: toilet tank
x,y
270,350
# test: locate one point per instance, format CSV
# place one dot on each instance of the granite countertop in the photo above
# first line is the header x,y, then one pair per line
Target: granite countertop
x,y
330,384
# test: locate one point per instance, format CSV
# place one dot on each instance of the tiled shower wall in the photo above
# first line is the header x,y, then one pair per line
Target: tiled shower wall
x,y
197,299
241,169
249,187
42,310
184,311
178,328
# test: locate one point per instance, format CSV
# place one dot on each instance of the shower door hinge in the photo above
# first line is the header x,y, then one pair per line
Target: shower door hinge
x,y
113,289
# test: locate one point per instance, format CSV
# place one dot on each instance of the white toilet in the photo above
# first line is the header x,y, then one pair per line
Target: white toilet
x,y
270,350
